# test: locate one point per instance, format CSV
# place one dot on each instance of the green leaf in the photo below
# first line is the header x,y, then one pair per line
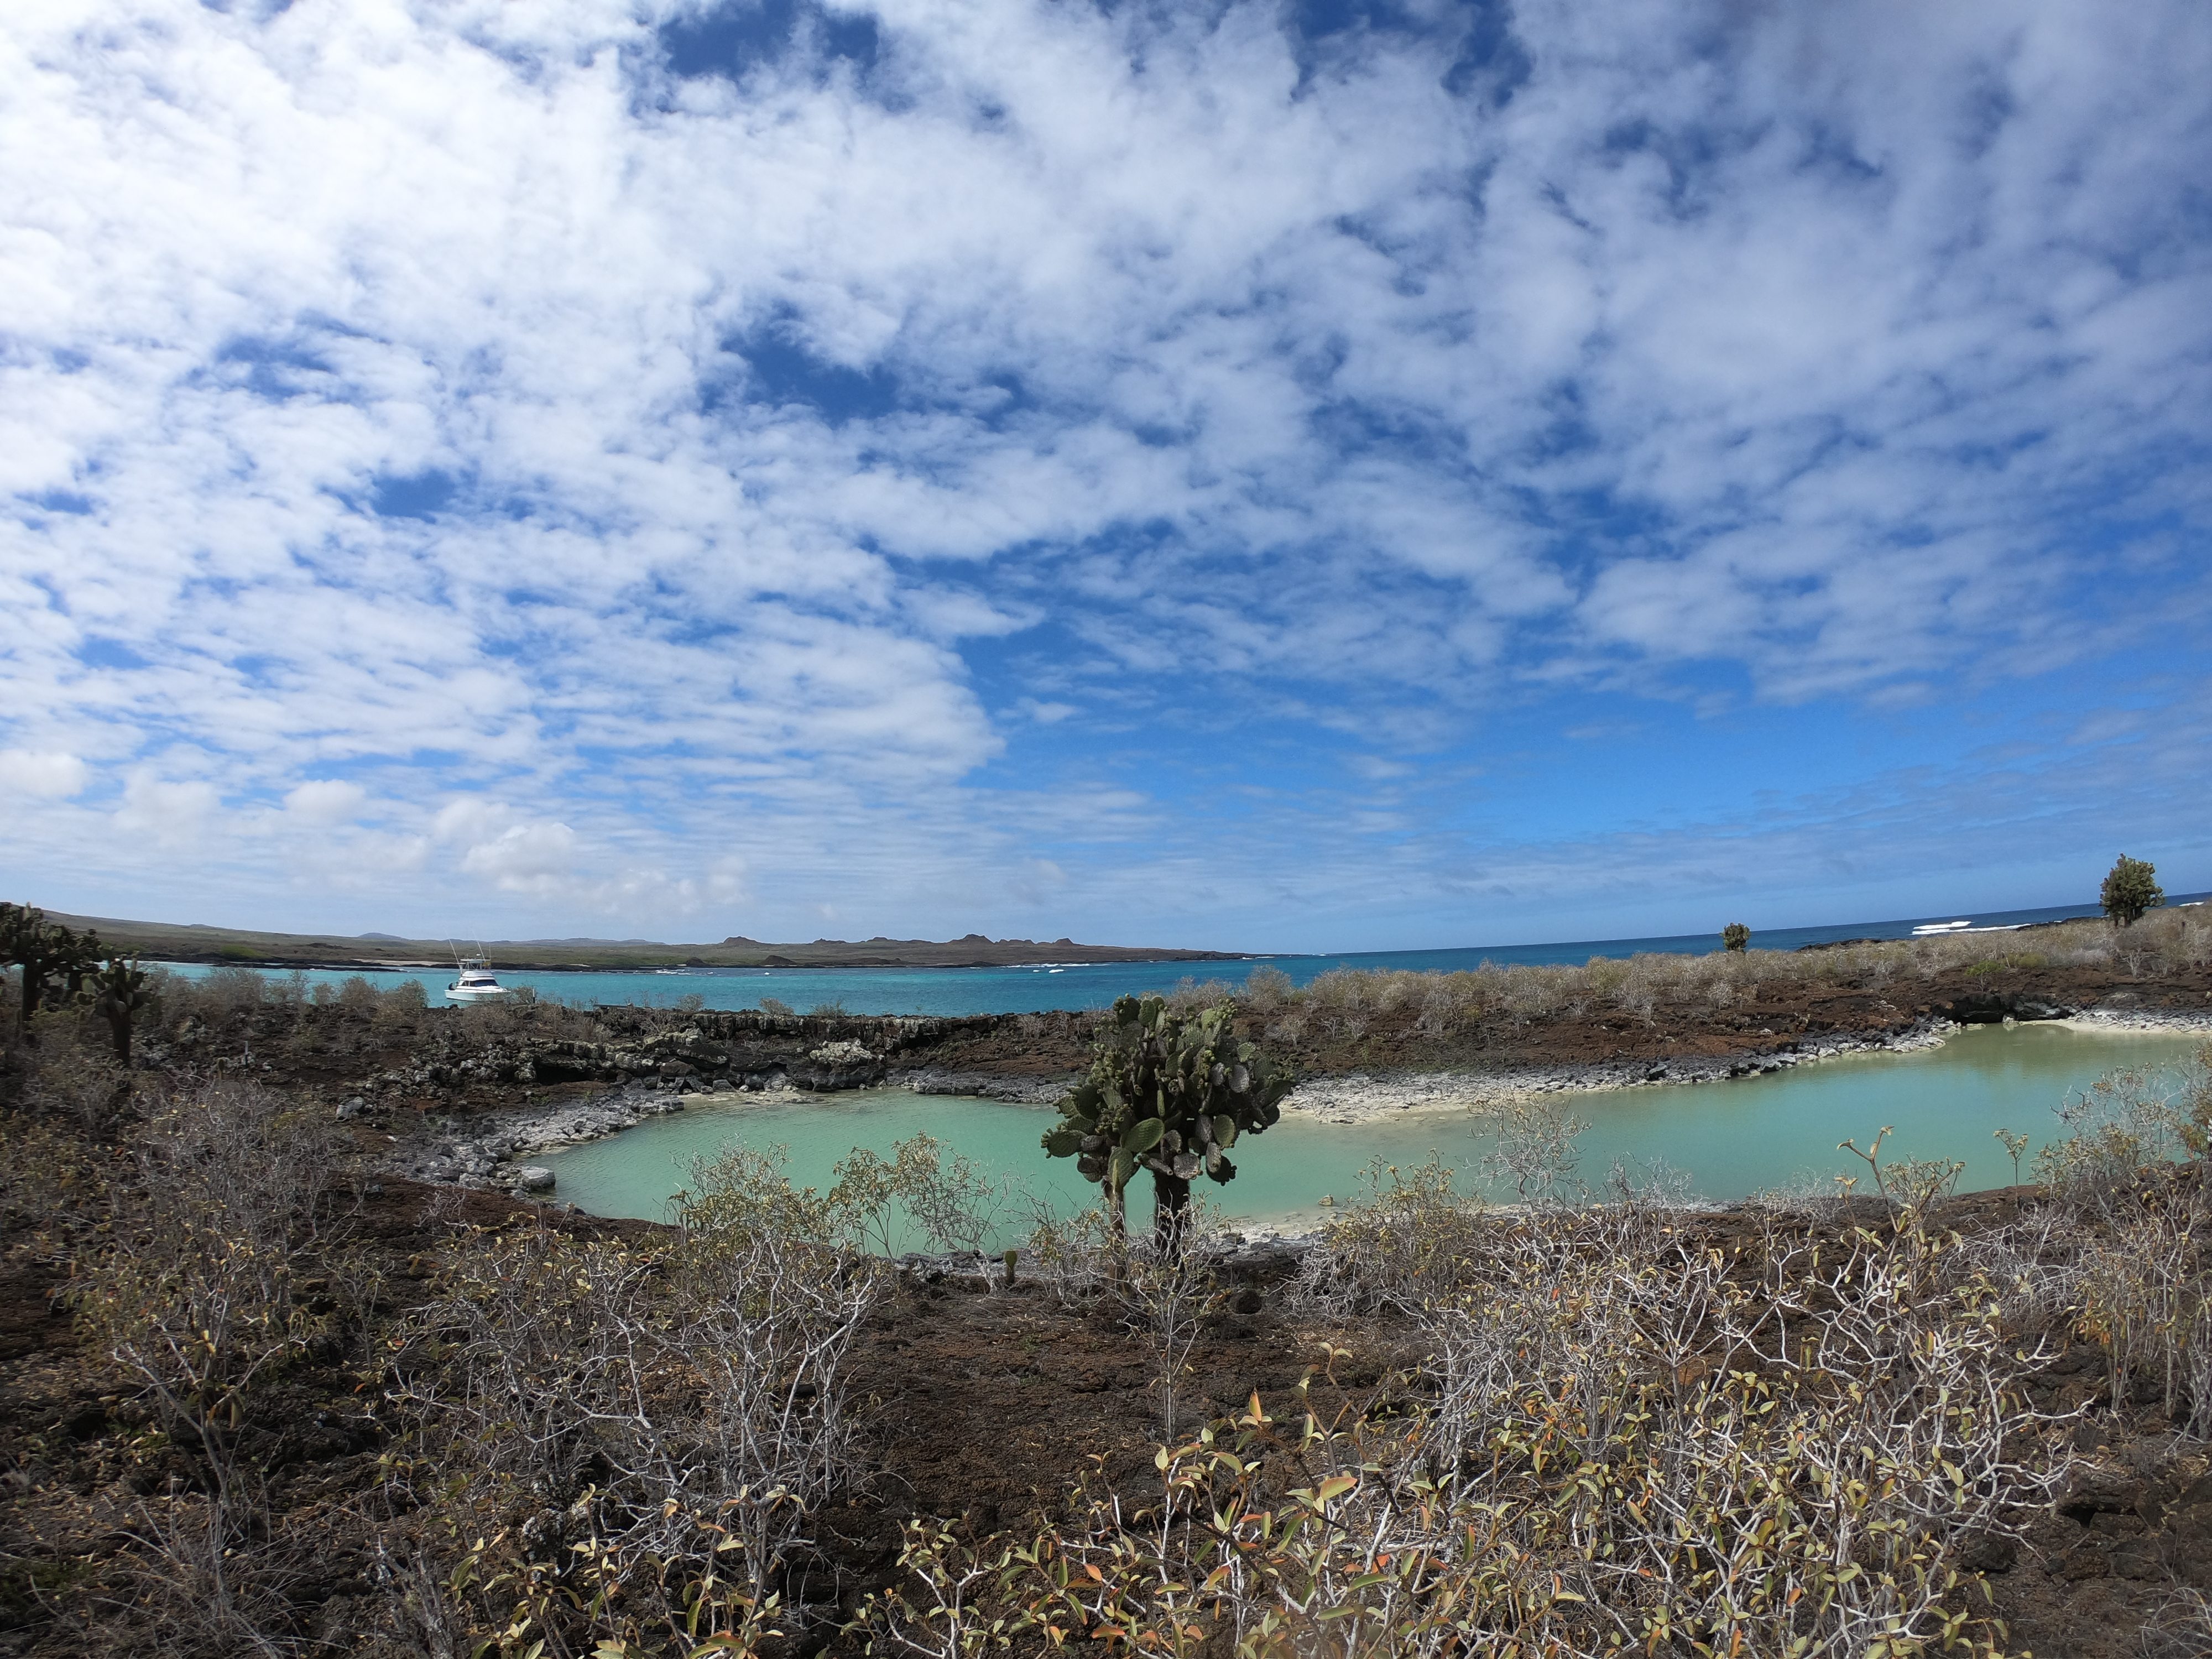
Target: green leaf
x,y
1063,1142
1144,1134
1120,1167
1224,1132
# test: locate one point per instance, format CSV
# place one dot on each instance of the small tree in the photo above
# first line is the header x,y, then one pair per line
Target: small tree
x,y
1168,1093
2131,889
1736,936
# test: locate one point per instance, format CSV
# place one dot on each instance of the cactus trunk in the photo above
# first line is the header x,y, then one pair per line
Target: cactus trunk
x,y
1171,1205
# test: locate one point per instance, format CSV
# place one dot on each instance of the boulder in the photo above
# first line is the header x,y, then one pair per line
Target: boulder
x,y
534,1178
1995,1007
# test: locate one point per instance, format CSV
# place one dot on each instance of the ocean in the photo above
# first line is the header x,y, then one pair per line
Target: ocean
x,y
953,991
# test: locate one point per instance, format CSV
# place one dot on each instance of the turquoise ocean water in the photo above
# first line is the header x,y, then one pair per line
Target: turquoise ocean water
x,y
1730,1139
945,991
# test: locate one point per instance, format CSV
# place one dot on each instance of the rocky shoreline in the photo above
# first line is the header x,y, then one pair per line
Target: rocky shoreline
x,y
661,1065
2162,1021
1360,1098
491,1149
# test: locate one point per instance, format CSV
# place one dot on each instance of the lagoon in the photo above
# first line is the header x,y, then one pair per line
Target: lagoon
x,y
1731,1139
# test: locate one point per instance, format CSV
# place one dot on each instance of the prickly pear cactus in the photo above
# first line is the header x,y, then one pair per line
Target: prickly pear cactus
x,y
1168,1093
120,991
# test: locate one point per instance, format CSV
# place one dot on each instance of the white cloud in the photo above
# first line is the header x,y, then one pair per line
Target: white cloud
x,y
42,776
525,857
325,800
168,813
1726,354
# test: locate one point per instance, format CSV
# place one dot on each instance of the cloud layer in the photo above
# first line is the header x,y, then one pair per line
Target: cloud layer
x,y
1114,471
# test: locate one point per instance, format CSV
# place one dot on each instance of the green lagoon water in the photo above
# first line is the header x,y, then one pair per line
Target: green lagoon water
x,y
1732,1138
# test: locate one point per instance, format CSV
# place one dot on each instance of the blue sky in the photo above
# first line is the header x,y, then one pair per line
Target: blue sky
x,y
1270,477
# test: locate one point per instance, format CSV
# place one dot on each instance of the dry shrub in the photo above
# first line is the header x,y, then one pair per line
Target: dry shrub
x,y
1621,1441
1412,1237
2164,941
2129,1121
1190,997
2142,1296
198,1293
640,1440
202,1294
2182,1629
1266,989
1449,1003
399,1008
2121,1243
1528,1145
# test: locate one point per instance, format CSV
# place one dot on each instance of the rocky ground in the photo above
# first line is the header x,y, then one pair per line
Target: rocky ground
x,y
985,1405
1049,1391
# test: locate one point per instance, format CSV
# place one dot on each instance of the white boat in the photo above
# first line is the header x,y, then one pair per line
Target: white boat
x,y
474,982
1927,928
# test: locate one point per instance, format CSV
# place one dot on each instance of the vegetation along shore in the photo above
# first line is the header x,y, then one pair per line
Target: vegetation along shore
x,y
172,942
260,1393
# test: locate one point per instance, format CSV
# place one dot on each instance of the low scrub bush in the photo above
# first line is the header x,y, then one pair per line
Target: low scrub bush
x,y
211,1280
1343,1003
640,1441
1613,1446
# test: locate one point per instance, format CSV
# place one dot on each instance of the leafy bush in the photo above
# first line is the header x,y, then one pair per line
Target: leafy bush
x,y
2131,888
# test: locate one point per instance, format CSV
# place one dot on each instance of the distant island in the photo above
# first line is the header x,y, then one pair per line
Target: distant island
x,y
196,942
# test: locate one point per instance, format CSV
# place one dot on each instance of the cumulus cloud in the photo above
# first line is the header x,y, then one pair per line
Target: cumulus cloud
x,y
167,813
325,800
41,776
688,430
525,857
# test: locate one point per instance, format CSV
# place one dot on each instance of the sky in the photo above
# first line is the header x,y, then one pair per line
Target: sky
x,y
1262,477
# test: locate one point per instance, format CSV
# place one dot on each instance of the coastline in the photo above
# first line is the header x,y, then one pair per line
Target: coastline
x,y
488,1151
492,1155
1362,1098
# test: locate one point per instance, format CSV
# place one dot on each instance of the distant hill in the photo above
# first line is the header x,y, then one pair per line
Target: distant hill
x,y
168,941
